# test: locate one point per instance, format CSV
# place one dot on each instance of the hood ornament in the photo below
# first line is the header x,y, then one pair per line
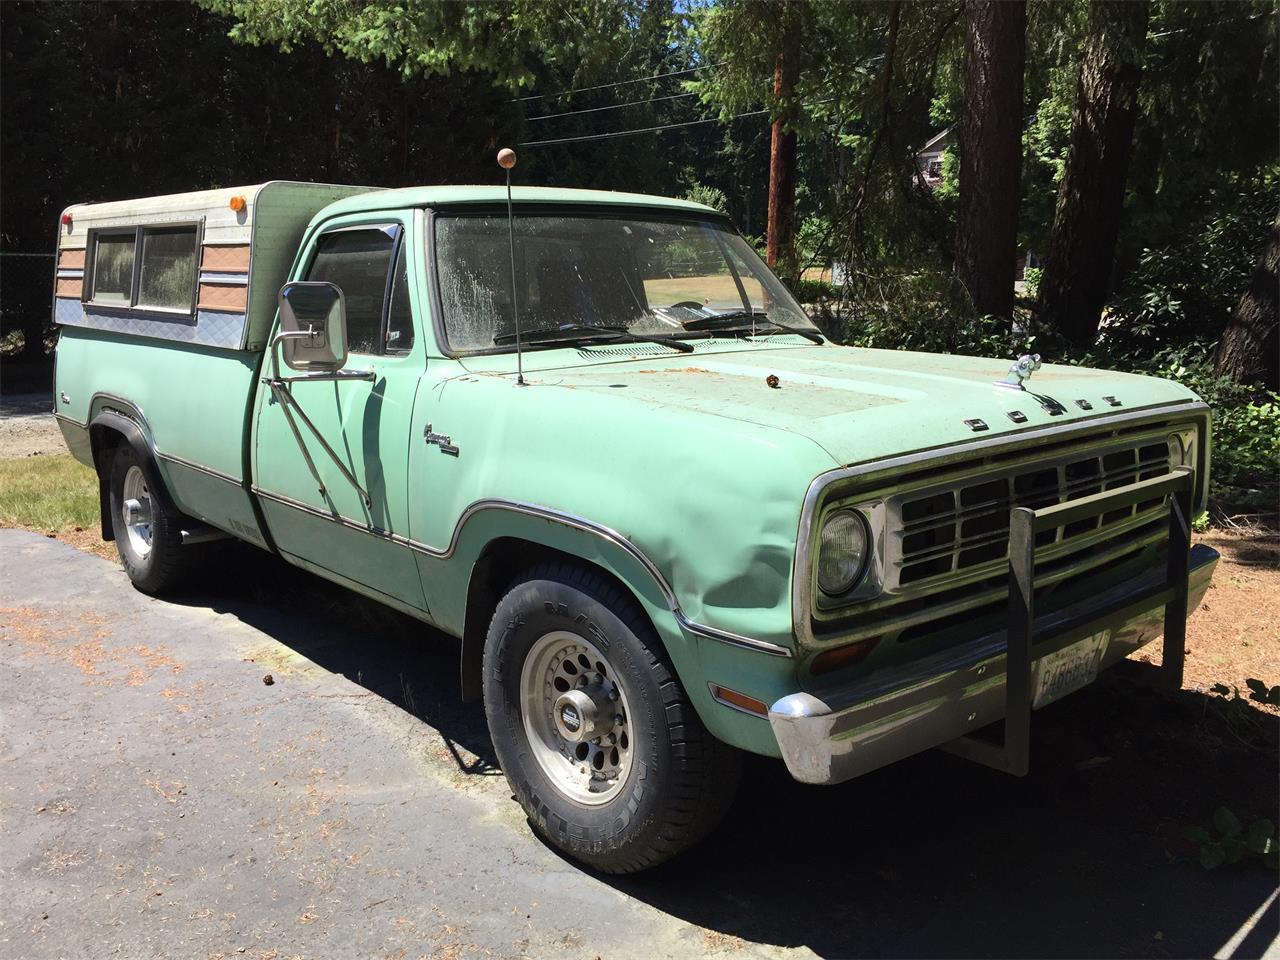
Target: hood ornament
x,y
1021,370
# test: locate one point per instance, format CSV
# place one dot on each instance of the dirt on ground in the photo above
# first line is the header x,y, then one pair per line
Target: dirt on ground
x,y
27,427
1235,634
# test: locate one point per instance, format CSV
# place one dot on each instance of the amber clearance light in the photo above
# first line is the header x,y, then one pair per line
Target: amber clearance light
x,y
237,203
739,701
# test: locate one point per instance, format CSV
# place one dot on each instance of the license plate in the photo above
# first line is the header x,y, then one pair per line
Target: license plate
x,y
1068,669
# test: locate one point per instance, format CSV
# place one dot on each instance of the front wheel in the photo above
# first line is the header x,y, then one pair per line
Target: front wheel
x,y
593,730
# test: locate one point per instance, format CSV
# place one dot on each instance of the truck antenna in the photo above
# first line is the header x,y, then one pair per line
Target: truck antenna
x,y
507,160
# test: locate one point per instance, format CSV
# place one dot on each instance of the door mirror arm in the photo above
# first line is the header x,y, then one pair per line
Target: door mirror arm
x,y
312,336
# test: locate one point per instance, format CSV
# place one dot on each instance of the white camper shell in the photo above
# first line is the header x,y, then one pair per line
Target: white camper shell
x,y
202,267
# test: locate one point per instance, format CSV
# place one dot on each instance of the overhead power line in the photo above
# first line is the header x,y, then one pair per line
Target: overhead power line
x,y
612,106
620,83
629,133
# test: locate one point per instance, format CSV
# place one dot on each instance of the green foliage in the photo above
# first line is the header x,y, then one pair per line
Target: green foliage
x,y
708,196
1228,841
1184,290
433,37
925,311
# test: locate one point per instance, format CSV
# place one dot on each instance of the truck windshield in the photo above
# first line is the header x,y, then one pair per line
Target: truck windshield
x,y
647,276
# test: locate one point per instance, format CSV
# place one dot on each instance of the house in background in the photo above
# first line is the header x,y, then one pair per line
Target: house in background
x,y
929,160
929,157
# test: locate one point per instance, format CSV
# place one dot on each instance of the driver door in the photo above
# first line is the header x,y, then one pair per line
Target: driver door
x,y
326,525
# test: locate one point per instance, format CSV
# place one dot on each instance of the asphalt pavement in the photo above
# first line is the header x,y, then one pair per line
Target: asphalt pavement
x,y
160,798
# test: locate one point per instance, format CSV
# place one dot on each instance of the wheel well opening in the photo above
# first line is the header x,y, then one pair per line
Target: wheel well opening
x,y
500,563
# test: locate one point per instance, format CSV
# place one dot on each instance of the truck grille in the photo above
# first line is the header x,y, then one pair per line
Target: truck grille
x,y
953,530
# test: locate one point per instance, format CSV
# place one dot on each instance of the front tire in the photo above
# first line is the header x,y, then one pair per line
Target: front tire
x,y
148,539
591,726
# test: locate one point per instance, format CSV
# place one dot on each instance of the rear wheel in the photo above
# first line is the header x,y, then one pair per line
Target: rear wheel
x,y
595,734
148,538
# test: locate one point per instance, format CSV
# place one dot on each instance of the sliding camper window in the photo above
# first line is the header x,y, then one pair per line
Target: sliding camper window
x,y
148,268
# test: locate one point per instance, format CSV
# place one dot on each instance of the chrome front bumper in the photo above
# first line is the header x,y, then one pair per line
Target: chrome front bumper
x,y
895,713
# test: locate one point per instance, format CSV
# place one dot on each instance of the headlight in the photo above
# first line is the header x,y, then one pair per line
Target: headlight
x,y
842,552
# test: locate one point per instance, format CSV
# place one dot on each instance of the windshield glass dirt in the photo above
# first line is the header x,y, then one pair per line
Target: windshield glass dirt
x,y
645,276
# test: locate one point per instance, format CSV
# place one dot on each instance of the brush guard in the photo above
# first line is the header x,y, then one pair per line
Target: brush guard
x,y
1012,753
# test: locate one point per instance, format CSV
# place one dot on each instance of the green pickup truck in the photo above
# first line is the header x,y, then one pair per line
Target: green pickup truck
x,y
595,438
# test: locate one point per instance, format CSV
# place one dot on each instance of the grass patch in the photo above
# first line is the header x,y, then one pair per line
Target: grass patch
x,y
53,494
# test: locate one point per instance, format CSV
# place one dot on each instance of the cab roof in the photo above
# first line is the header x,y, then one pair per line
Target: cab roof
x,y
481,194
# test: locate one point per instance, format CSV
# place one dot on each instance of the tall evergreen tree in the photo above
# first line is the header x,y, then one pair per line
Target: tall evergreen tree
x,y
991,152
1086,222
1249,351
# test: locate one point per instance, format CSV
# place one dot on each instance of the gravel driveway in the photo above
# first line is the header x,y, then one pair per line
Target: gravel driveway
x,y
27,426
158,798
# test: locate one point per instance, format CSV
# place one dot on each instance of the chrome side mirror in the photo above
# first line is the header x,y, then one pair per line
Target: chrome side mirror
x,y
313,327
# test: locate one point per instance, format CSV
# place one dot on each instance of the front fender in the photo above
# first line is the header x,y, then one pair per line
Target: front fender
x,y
700,654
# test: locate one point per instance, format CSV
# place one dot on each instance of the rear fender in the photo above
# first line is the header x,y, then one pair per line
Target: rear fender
x,y
108,429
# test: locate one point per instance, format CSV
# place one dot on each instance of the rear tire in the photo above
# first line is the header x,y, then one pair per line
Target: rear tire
x,y
148,539
593,730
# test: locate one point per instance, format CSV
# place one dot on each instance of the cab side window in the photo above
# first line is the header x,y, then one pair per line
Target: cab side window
x,y
358,261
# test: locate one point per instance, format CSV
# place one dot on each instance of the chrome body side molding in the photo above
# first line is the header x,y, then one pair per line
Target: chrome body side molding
x,y
555,516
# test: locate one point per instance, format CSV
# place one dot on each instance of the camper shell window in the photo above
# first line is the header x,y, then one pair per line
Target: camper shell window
x,y
147,267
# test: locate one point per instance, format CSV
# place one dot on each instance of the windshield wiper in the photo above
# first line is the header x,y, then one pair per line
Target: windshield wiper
x,y
732,323
571,332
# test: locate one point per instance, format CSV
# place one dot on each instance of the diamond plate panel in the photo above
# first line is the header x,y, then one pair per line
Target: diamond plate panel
x,y
213,328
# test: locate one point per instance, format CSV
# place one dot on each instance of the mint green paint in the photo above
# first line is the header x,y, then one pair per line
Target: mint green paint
x,y
690,457
192,402
368,425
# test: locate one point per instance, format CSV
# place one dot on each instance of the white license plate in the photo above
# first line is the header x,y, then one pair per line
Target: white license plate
x,y
1068,669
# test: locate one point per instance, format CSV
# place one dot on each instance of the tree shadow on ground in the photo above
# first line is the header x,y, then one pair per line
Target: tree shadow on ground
x,y
932,856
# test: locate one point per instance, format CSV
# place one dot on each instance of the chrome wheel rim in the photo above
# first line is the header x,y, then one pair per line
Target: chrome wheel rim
x,y
575,715
136,511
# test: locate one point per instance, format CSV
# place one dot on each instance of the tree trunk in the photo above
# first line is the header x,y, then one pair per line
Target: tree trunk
x,y
991,152
1086,221
781,235
1249,351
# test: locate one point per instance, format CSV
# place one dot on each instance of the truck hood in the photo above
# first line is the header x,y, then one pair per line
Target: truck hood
x,y
860,404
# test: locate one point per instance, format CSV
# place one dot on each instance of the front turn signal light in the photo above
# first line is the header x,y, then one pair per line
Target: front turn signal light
x,y
845,656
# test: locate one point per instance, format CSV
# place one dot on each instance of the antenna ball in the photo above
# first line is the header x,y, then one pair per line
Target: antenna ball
x,y
506,158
